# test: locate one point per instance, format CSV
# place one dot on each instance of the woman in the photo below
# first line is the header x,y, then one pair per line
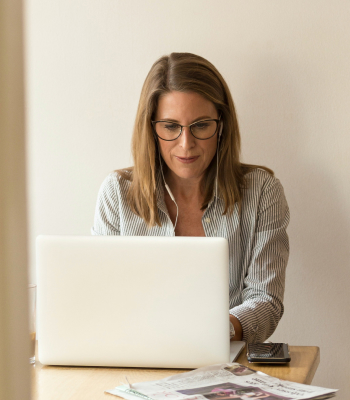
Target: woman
x,y
187,180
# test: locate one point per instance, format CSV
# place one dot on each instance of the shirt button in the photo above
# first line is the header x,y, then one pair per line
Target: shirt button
x,y
207,220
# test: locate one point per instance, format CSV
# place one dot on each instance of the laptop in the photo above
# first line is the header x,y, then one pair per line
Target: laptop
x,y
154,302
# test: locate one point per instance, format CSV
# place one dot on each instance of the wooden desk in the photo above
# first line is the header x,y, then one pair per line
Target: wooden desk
x,y
89,383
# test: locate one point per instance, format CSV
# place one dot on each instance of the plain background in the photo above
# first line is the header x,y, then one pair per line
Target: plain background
x,y
287,64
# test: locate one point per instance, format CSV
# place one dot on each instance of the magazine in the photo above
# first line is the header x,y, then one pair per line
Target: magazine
x,y
221,382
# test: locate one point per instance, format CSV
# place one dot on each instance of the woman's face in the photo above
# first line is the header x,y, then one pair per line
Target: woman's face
x,y
186,157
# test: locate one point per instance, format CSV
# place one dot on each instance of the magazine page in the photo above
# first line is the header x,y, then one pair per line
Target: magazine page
x,y
221,382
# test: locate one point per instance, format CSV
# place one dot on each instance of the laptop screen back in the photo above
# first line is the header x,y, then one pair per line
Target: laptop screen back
x,y
132,301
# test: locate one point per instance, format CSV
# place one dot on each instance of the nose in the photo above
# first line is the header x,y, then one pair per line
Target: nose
x,y
187,140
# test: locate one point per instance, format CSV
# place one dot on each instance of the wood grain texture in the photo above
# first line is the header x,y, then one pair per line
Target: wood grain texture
x,y
89,383
301,369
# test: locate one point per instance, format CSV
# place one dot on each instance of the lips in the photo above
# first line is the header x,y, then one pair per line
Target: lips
x,y
187,160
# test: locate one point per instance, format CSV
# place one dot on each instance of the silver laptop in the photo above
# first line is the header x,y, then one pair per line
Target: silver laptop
x,y
156,302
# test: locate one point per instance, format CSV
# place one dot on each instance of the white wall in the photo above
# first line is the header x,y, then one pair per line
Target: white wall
x,y
287,64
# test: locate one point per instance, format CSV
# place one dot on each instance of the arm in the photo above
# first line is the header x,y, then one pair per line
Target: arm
x,y
106,221
262,296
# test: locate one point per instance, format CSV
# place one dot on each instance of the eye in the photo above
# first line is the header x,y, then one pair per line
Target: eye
x,y
171,127
201,125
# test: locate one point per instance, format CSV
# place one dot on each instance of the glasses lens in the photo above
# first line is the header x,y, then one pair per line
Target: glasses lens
x,y
204,129
167,130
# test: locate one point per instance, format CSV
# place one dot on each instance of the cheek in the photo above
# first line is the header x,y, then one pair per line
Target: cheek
x,y
210,150
165,148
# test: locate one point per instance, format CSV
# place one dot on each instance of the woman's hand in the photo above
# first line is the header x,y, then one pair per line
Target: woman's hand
x,y
238,328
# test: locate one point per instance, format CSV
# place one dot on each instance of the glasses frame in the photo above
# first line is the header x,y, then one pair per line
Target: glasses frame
x,y
187,126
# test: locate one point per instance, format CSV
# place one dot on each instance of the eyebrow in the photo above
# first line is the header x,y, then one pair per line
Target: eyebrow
x,y
178,122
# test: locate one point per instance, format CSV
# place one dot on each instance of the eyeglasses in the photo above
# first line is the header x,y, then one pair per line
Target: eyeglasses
x,y
202,130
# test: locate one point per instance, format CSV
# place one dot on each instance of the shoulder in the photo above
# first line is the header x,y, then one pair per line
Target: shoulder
x,y
116,183
264,207
259,180
261,190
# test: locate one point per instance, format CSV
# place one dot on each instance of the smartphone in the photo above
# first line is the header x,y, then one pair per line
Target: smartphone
x,y
271,353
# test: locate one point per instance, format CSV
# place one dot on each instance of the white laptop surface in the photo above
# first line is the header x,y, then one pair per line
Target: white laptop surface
x,y
156,302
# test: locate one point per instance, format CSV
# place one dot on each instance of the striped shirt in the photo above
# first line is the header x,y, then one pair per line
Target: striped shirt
x,y
258,243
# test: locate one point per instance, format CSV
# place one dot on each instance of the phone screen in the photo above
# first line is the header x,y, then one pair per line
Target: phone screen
x,y
268,350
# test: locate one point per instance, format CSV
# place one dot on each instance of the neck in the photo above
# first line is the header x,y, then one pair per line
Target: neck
x,y
186,189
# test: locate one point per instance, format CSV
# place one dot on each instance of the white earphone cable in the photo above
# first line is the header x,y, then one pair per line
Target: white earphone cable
x,y
216,188
167,188
216,180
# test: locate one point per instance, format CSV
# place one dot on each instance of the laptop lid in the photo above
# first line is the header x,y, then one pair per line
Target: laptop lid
x,y
157,302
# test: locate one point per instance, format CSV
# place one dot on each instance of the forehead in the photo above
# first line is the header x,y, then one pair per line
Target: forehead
x,y
184,106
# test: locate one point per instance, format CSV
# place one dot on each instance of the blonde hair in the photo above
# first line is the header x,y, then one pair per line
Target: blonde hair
x,y
184,72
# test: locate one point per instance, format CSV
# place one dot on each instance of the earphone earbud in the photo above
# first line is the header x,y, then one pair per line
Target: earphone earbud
x,y
220,131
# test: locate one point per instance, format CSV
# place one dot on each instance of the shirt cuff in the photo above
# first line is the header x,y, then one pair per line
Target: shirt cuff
x,y
246,316
93,232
